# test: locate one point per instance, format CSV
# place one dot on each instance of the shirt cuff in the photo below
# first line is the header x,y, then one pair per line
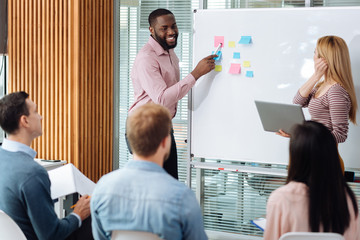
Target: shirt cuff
x,y
78,217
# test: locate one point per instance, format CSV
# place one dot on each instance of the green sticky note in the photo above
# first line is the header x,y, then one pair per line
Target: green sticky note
x,y
218,68
232,44
246,64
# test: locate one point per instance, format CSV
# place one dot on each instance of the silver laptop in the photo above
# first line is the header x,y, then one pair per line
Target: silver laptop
x,y
275,116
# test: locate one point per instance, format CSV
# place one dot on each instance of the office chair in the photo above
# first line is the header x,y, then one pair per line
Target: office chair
x,y
9,230
311,236
133,235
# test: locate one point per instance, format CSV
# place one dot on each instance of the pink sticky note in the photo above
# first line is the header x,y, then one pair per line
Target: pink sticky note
x,y
217,40
235,68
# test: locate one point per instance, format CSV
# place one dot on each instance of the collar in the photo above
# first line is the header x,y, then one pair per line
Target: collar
x,y
13,146
144,165
157,47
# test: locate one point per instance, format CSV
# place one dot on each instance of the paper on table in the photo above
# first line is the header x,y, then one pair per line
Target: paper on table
x,y
68,179
260,223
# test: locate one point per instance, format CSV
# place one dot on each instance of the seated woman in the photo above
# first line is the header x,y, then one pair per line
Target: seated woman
x,y
316,197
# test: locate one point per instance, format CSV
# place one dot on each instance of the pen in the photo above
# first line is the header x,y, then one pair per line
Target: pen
x,y
218,48
75,203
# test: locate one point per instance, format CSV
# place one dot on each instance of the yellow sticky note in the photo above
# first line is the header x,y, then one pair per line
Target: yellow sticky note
x,y
246,64
231,43
218,68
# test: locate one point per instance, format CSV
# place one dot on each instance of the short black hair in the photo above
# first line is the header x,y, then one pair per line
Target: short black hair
x,y
157,13
12,107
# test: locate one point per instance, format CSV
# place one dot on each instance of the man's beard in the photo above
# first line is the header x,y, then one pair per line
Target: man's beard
x,y
163,42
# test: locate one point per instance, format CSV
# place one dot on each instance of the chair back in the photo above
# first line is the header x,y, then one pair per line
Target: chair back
x,y
311,236
133,235
9,230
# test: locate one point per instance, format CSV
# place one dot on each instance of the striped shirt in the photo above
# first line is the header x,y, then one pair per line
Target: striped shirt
x,y
331,109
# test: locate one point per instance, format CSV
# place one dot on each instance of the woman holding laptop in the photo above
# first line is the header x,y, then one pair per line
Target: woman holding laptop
x,y
316,197
329,93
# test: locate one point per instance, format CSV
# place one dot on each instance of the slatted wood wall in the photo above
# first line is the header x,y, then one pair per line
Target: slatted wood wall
x,y
61,53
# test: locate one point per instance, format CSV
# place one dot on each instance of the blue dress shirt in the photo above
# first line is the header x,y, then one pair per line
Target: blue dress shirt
x,y
143,197
13,146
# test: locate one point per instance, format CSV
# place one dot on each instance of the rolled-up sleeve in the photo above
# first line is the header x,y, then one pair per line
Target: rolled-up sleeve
x,y
153,83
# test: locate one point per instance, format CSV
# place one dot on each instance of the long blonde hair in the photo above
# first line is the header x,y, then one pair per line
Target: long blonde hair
x,y
336,53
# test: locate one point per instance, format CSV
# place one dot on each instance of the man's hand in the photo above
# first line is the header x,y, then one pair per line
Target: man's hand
x,y
82,207
204,66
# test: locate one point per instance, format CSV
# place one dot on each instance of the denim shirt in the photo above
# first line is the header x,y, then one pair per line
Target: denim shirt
x,y
143,197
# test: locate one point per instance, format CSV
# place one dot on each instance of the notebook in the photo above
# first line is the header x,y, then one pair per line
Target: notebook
x,y
276,116
260,223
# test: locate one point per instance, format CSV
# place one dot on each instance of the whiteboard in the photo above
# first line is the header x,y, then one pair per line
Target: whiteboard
x,y
224,120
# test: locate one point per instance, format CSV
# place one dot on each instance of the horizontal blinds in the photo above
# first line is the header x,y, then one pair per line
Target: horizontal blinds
x,y
181,9
134,33
340,3
231,199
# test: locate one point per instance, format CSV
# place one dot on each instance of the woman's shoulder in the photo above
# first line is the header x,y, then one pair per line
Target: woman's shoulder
x,y
337,87
293,191
337,91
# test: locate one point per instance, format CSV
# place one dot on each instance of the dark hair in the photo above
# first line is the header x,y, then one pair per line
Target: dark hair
x,y
12,107
146,127
157,13
314,160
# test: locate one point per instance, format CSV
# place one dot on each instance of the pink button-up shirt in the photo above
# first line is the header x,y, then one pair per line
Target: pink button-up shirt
x,y
155,76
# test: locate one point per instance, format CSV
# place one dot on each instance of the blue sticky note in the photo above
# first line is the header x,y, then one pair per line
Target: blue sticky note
x,y
250,74
219,53
245,40
236,55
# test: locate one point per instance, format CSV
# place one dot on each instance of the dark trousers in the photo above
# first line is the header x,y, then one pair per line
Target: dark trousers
x,y
170,165
82,233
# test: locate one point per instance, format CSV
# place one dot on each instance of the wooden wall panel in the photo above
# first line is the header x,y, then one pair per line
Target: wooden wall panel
x,y
61,53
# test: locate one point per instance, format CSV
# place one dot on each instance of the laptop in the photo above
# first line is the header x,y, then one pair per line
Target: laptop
x,y
275,116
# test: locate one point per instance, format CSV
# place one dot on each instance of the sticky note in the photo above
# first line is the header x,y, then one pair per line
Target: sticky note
x,y
236,55
218,68
245,40
232,44
217,40
219,53
246,64
235,68
250,74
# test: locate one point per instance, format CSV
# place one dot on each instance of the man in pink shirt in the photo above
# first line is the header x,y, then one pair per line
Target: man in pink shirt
x,y
156,74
